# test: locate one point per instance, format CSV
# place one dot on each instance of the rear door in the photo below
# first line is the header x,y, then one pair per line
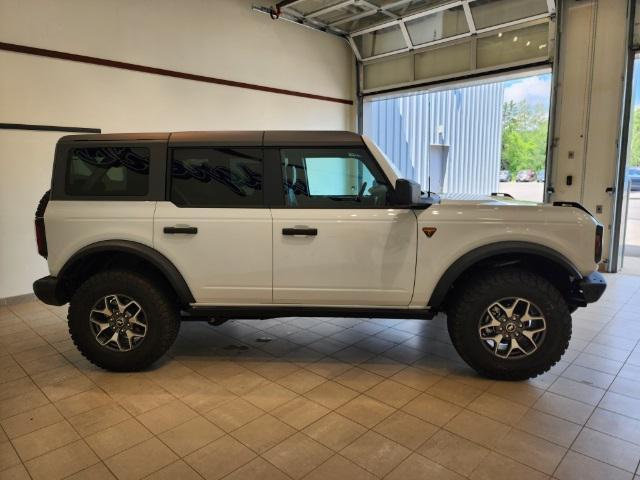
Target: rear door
x,y
215,227
337,240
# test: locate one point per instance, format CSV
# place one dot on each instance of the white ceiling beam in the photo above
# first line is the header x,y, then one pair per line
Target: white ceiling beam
x,y
467,13
551,6
354,47
514,22
431,11
405,34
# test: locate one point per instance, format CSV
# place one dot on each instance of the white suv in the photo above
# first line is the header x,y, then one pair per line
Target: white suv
x,y
143,230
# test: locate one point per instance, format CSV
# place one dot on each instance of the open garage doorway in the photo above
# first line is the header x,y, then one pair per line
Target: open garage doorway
x,y
471,139
630,251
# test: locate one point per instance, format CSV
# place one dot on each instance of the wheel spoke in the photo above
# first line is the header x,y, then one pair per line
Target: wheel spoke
x,y
102,311
138,324
530,334
493,323
112,302
101,325
500,307
112,338
132,335
514,344
508,311
135,305
497,340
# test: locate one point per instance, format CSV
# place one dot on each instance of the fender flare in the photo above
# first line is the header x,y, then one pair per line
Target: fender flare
x,y
484,252
146,253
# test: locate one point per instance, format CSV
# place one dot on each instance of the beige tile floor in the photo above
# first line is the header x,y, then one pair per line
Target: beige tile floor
x,y
324,399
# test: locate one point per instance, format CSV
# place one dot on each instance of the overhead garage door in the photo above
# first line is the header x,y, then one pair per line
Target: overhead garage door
x,y
404,43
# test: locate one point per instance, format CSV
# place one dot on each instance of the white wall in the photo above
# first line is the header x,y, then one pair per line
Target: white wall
x,y
219,38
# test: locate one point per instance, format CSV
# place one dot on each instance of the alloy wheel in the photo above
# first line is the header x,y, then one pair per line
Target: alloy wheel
x,y
512,328
118,322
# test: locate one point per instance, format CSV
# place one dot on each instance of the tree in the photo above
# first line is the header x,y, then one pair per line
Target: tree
x,y
634,155
524,136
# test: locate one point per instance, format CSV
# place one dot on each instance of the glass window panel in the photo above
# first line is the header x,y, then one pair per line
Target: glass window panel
x,y
513,46
443,61
364,22
488,13
416,6
387,72
382,3
384,40
306,7
332,178
437,26
340,14
108,171
216,177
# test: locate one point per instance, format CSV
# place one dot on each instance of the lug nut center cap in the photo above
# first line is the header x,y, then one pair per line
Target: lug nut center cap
x,y
510,327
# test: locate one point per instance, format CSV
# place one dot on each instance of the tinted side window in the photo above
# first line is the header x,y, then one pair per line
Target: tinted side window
x,y
332,178
108,171
217,177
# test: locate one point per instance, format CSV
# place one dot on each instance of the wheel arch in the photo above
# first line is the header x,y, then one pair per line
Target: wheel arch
x,y
105,254
549,263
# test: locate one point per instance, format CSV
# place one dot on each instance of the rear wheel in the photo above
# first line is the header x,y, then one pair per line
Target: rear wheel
x,y
509,324
123,321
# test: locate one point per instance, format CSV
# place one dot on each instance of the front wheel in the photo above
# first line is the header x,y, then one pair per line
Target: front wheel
x,y
509,324
122,320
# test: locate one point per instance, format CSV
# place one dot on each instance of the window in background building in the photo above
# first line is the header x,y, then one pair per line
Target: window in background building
x,y
473,140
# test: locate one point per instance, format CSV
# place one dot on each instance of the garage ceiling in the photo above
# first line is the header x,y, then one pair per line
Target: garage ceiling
x,y
379,28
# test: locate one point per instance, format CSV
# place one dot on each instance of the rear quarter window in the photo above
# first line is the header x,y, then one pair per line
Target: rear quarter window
x,y
108,171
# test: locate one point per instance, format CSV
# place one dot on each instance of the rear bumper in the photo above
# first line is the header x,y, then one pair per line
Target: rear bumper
x,y
589,289
50,291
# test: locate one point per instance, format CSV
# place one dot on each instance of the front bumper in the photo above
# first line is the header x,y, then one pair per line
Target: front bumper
x,y
50,291
588,289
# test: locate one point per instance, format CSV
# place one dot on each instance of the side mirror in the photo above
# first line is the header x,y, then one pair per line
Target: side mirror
x,y
406,192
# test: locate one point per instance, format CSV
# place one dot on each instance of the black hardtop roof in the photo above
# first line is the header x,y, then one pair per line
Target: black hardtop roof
x,y
258,138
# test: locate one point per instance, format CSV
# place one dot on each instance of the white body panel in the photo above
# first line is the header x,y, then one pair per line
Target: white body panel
x,y
359,257
72,225
463,226
228,261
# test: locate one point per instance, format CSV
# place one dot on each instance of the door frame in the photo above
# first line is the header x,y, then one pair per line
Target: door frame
x,y
618,230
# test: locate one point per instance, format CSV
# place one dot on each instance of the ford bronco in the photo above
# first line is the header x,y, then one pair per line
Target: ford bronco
x,y
142,231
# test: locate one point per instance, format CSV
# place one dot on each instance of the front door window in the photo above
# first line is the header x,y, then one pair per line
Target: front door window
x,y
332,178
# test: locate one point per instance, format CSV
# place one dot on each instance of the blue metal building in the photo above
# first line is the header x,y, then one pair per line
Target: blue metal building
x,y
463,126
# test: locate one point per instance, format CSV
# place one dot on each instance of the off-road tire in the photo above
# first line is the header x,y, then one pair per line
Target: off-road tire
x,y
157,301
478,293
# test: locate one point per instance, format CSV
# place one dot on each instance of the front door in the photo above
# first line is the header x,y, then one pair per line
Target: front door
x,y
216,228
337,240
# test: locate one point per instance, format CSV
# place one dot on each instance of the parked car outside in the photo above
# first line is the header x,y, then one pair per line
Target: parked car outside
x,y
541,176
526,176
633,174
505,176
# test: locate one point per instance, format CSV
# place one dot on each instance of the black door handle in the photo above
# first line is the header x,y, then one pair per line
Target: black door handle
x,y
187,230
300,231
